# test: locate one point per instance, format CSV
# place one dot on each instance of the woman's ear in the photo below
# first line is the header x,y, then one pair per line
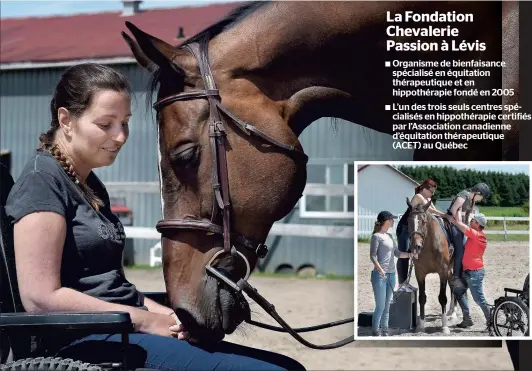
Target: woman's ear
x,y
65,120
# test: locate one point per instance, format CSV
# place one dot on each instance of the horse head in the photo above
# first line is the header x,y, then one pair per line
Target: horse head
x,y
417,226
215,177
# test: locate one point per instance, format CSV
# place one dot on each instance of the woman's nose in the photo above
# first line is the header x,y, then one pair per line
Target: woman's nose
x,y
120,134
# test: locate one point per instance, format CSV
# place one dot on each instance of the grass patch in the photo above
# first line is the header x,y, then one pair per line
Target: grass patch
x,y
502,211
509,226
510,237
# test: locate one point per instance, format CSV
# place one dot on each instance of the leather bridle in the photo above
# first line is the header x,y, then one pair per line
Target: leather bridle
x,y
414,232
222,204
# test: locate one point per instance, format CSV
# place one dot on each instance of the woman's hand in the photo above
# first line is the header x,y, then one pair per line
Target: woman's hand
x,y
163,325
178,330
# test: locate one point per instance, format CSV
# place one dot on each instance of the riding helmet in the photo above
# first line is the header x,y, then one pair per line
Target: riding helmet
x,y
483,189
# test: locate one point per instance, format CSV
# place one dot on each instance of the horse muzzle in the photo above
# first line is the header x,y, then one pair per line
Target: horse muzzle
x,y
220,311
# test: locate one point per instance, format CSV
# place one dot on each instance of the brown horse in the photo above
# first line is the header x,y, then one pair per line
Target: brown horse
x,y
430,247
279,66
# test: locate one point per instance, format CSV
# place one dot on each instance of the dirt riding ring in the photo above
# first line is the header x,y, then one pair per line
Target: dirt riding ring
x,y
510,316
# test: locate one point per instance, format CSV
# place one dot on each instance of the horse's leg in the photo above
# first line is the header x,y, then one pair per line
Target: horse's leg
x,y
442,297
451,314
422,300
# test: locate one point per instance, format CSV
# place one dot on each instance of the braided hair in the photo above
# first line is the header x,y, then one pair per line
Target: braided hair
x,y
75,91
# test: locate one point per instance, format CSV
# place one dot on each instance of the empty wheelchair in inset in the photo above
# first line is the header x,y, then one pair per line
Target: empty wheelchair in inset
x,y
510,314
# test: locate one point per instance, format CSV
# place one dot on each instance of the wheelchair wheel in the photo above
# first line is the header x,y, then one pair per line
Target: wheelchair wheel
x,y
510,317
49,363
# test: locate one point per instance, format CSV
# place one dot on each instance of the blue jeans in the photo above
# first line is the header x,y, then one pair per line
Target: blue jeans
x,y
458,239
169,354
474,281
403,244
383,296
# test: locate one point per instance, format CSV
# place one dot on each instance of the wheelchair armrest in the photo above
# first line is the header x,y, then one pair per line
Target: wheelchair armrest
x,y
158,297
96,322
514,291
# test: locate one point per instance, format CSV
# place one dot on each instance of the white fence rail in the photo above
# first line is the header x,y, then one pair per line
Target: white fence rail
x,y
505,230
278,229
327,191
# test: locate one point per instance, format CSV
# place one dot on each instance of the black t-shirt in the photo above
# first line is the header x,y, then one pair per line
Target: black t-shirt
x,y
94,243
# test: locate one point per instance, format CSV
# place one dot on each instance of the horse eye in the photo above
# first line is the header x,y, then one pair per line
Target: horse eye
x,y
185,158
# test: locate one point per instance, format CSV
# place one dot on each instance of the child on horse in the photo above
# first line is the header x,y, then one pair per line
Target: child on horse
x,y
463,202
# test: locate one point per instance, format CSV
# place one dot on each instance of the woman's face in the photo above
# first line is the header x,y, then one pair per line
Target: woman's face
x,y
429,192
96,137
388,224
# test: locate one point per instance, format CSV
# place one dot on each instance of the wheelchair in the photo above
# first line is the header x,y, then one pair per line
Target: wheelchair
x,y
21,333
510,314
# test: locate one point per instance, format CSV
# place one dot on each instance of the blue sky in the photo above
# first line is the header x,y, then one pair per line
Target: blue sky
x,y
16,9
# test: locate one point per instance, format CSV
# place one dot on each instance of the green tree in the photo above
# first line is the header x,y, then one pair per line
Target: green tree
x,y
508,194
495,200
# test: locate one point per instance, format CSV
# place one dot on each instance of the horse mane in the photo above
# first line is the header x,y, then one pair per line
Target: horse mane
x,y
231,19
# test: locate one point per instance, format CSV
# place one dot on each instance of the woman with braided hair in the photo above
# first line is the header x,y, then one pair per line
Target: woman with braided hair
x,y
69,245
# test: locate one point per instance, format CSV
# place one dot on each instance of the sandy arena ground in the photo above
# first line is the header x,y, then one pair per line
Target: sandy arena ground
x,y
506,264
309,302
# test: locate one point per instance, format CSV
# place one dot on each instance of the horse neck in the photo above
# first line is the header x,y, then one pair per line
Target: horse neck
x,y
305,60
433,231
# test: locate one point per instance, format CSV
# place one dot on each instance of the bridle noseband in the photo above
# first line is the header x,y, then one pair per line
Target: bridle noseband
x,y
222,204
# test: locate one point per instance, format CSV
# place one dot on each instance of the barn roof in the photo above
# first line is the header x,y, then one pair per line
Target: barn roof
x,y
362,167
97,36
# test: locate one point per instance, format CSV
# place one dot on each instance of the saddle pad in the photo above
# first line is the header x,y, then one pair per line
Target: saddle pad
x,y
445,231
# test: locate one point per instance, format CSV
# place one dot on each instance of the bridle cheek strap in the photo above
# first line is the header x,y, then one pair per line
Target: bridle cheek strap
x,y
251,245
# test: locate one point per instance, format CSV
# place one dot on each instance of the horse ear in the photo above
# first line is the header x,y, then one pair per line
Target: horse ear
x,y
149,50
408,203
139,54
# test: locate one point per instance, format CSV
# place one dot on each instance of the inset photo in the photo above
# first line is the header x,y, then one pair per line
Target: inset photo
x,y
442,250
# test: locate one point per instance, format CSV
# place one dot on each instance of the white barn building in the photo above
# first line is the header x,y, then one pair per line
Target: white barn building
x,y
380,187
